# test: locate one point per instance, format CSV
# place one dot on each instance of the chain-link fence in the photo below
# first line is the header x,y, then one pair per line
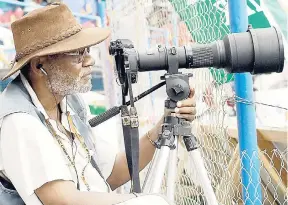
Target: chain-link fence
x,y
148,23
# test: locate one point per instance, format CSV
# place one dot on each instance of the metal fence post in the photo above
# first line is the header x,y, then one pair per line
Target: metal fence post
x,y
250,163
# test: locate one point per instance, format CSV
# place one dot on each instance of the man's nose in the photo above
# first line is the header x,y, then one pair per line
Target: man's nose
x,y
88,60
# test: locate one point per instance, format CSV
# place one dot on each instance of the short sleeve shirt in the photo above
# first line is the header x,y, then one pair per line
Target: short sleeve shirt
x,y
30,156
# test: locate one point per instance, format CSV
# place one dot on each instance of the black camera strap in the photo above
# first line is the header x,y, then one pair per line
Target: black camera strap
x,y
131,139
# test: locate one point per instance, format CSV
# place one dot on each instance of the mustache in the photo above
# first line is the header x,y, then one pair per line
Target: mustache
x,y
87,71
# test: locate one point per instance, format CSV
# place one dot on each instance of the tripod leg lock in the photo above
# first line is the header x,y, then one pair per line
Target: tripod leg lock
x,y
166,138
182,129
190,142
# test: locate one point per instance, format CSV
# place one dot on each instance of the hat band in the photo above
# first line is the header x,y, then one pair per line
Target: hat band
x,y
48,42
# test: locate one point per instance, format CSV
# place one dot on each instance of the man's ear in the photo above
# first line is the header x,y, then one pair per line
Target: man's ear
x,y
36,64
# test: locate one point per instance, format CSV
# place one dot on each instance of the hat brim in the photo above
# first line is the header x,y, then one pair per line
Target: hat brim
x,y
85,38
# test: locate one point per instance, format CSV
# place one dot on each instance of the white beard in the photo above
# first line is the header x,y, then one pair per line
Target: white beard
x,y
62,83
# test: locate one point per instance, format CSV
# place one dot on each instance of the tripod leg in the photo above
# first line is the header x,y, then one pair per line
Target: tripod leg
x,y
201,172
202,175
151,170
158,173
172,173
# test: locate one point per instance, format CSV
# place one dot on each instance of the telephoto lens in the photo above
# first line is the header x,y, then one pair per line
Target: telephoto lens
x,y
256,51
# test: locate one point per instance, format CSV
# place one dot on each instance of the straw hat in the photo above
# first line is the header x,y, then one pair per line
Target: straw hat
x,y
50,30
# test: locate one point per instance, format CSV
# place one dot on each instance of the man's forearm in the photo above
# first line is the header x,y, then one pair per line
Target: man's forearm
x,y
92,198
120,173
65,193
146,148
96,198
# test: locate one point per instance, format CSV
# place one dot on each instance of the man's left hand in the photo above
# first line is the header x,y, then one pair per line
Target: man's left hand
x,y
187,108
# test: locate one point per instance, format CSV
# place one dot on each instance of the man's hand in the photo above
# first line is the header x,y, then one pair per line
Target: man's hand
x,y
187,108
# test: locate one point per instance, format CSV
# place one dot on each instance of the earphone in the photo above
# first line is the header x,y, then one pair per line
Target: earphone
x,y
39,66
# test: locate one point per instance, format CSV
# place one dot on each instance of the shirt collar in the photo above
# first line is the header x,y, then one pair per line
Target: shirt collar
x,y
63,104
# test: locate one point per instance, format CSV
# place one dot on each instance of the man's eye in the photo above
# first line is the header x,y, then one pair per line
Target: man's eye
x,y
73,53
82,50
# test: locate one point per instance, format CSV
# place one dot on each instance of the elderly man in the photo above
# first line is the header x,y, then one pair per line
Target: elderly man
x,y
48,155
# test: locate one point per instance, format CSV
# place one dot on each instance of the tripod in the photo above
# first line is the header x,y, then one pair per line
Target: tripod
x,y
173,130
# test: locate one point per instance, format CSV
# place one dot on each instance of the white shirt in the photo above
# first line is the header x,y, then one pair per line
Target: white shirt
x,y
31,157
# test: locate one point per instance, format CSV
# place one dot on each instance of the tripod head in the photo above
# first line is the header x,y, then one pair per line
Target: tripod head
x,y
126,56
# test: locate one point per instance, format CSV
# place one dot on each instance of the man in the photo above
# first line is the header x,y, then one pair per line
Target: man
x,y
47,149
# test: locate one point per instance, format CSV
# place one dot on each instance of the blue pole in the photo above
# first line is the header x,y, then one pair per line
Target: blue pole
x,y
250,164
